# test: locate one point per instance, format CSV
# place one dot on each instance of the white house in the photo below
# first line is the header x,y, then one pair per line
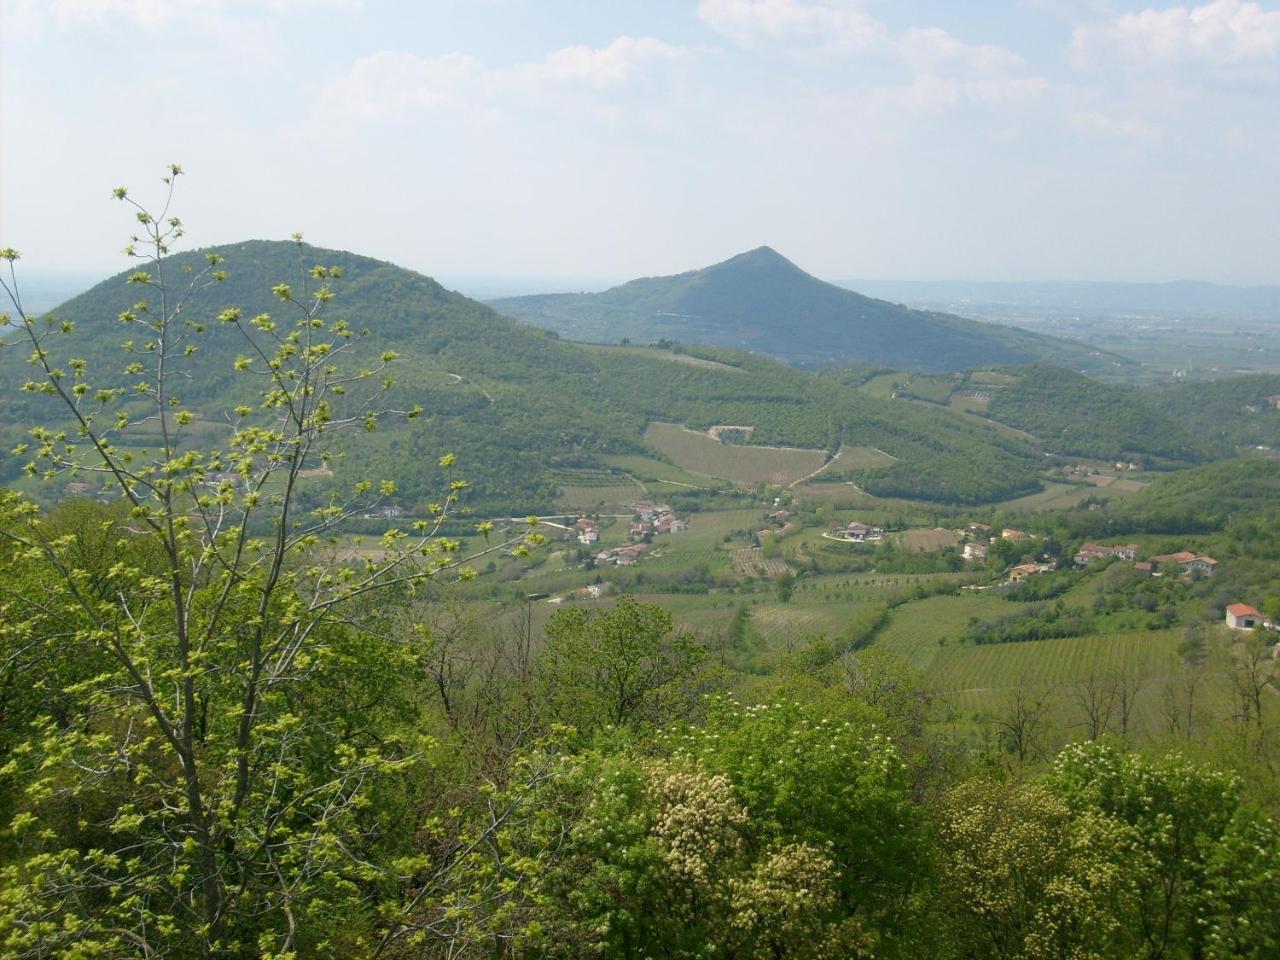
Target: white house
x,y
1241,616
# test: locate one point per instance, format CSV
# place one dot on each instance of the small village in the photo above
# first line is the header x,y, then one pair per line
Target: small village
x,y
649,520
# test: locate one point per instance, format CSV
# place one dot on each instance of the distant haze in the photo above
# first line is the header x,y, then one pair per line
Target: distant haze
x,y
1190,297
1015,139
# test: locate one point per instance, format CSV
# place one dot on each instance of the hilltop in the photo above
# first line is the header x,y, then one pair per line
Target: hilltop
x,y
518,405
762,302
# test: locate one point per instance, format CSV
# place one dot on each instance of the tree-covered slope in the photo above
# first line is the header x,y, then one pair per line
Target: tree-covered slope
x,y
760,301
515,403
1237,411
1076,416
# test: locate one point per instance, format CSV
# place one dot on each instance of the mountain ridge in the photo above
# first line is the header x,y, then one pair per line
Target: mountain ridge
x,y
762,302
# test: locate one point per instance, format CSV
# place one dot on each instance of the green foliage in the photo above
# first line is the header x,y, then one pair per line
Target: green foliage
x,y
1072,414
623,667
1231,412
827,780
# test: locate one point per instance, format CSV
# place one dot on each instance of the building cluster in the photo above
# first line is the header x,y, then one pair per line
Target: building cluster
x,y
780,524
1184,561
654,518
978,537
1090,552
650,519
623,556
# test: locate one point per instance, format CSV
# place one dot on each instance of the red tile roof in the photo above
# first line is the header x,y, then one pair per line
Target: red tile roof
x,y
1242,610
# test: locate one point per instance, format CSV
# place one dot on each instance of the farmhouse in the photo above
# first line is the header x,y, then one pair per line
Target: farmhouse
x,y
623,556
1187,562
860,532
1144,568
1024,570
1241,616
975,551
1011,533
1090,552
670,523
979,528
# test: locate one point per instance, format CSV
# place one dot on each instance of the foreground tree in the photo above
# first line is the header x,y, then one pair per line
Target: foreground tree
x,y
210,787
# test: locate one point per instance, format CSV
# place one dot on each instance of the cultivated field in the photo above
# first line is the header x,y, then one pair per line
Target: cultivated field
x,y
915,629
751,562
747,465
596,489
649,470
852,459
1054,496
927,541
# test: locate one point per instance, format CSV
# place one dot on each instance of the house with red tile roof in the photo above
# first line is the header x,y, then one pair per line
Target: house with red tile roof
x,y
1241,616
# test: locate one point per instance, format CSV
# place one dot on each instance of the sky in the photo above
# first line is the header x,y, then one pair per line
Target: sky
x,y
580,141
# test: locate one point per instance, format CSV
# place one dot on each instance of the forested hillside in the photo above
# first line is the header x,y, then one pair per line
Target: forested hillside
x,y
516,403
1234,411
1072,414
762,302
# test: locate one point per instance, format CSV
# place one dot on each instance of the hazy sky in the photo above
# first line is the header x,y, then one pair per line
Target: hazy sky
x,y
1042,139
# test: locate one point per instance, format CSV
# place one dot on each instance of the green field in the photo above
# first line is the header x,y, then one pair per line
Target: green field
x,y
915,629
657,353
747,465
936,389
852,459
650,470
883,385
594,490
927,541
1062,496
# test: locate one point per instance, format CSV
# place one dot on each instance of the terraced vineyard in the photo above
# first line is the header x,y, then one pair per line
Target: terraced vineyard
x,y
852,459
1037,663
786,627
751,562
596,489
746,465
915,629
926,541
650,470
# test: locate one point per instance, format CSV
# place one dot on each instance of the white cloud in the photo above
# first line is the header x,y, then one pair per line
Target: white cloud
x,y
1099,122
945,72
392,84
607,66
934,49
1220,33
837,26
388,83
153,13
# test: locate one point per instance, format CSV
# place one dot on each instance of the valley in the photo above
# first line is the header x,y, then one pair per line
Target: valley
x,y
999,563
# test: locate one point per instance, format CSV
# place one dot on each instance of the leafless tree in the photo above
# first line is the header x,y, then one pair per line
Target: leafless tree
x,y
1178,703
1126,683
1023,726
1095,695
